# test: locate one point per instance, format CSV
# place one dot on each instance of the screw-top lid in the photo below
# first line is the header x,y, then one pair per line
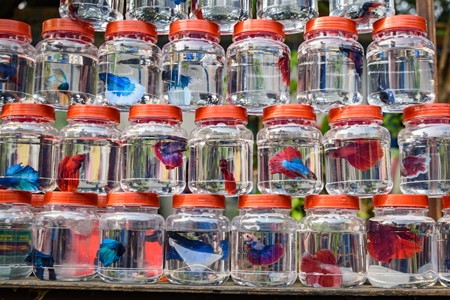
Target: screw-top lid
x,y
155,111
101,201
426,110
221,112
332,201
137,199
15,27
70,198
37,200
199,200
446,202
131,27
66,24
400,22
355,112
94,111
400,200
10,196
265,201
331,23
284,111
28,110
259,26
194,25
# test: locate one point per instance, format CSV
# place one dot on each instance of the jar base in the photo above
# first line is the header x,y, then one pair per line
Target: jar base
x,y
15,271
292,187
256,101
161,187
130,276
386,278
66,273
395,101
359,188
205,277
159,15
431,188
218,187
272,279
324,101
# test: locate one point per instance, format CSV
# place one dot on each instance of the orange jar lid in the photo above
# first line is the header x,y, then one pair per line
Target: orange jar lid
x,y
194,25
101,201
155,111
15,27
400,22
355,112
446,202
28,110
332,201
199,200
259,26
265,201
400,200
10,196
426,110
70,198
284,111
99,112
37,200
331,23
131,27
66,24
221,112
137,199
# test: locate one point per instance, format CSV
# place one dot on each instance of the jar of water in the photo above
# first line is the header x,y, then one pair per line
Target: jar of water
x,y
221,152
37,203
289,151
401,243
66,64
129,65
16,62
258,66
332,242
264,242
66,237
29,147
443,244
197,241
16,219
357,157
400,64
154,150
90,159
330,64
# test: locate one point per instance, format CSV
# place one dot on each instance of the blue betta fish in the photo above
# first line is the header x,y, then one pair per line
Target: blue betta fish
x,y
8,69
21,178
355,54
57,81
174,81
289,163
170,153
122,90
41,261
110,252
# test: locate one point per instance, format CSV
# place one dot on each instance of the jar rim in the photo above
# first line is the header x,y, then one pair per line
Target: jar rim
x,y
101,201
28,110
12,196
37,200
259,26
70,198
332,202
300,111
400,22
131,27
265,201
133,198
156,111
221,112
446,202
67,24
15,27
426,110
355,112
100,112
199,200
194,25
400,200
331,23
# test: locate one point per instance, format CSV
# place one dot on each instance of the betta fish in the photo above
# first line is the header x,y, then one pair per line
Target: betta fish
x,y
364,14
170,153
387,97
40,261
8,69
174,81
289,163
355,54
196,10
228,177
321,269
447,263
260,254
156,236
412,166
68,172
58,82
178,2
110,252
121,90
284,64
21,178
361,154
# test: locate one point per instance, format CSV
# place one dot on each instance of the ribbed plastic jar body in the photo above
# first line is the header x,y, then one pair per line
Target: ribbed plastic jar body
x,y
443,247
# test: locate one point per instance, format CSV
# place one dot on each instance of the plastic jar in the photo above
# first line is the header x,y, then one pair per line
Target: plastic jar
x,y
29,147
332,242
289,151
66,64
154,150
66,237
16,220
90,144
221,152
197,241
37,203
129,65
401,243
16,62
443,243
258,66
357,147
400,64
330,64
264,242
193,65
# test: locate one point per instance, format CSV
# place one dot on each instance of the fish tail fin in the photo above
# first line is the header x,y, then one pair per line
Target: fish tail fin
x,y
325,256
310,264
230,182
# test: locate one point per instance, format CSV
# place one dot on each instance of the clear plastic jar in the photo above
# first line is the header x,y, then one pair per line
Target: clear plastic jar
x,y
37,203
264,242
129,65
332,242
258,66
221,152
401,243
16,220
443,243
197,241
132,239
423,145
289,151
161,13
364,13
16,62
66,237
154,150
400,64
90,144
357,152
330,64
193,65
29,147
66,64
293,14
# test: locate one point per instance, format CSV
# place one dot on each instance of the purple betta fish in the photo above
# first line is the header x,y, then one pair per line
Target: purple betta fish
x,y
170,153
261,254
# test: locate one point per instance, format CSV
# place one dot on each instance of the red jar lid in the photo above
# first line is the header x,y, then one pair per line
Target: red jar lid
x,y
66,24
265,201
10,196
37,200
446,202
332,201
194,25
300,111
15,27
138,199
426,110
199,200
221,112
94,111
71,198
131,27
28,110
101,201
400,22
331,23
259,26
355,112
400,200
156,111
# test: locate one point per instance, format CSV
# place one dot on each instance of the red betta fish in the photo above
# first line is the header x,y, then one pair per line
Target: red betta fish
x,y
361,154
412,166
170,153
261,254
68,172
228,177
321,269
284,64
289,163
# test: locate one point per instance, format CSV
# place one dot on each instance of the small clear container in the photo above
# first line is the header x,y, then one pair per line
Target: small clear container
x,y
264,239
330,64
66,64
401,243
443,243
161,13
129,65
289,151
258,66
132,239
293,14
16,62
96,12
423,145
16,219
90,150
193,65
363,12
332,242
400,64
197,241
154,150
37,203
29,147
66,237
221,152
357,152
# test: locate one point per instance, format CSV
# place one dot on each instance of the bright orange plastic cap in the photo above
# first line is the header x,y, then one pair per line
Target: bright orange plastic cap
x,y
446,202
131,27
265,201
15,27
66,24
156,111
331,23
259,26
94,111
101,201
332,201
400,22
10,196
37,200
194,25
138,199
221,112
28,110
400,200
355,112
299,111
199,200
426,110
70,198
